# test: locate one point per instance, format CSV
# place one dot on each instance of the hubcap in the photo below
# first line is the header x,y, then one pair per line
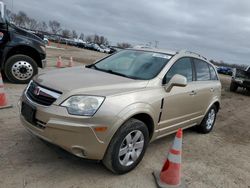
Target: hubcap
x,y
210,119
131,148
22,70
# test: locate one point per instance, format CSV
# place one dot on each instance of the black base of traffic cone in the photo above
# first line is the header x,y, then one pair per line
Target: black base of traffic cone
x,y
7,106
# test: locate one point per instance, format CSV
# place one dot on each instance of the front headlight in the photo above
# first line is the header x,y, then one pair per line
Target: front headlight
x,y
83,105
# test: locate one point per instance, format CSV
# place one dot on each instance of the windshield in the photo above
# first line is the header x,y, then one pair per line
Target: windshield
x,y
134,64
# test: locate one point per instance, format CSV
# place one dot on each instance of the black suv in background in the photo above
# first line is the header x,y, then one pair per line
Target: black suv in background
x,y
21,53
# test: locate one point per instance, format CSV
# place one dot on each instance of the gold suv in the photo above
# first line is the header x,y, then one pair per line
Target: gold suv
x,y
112,109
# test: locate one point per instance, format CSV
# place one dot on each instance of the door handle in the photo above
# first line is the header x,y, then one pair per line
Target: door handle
x,y
192,93
212,89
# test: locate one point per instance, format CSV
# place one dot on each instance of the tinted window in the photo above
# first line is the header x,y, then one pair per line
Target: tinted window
x,y
212,73
202,70
183,67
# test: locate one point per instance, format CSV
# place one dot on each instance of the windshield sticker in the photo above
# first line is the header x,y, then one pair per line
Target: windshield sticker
x,y
161,55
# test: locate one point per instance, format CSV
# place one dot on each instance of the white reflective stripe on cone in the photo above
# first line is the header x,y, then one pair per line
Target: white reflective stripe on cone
x,y
177,144
174,158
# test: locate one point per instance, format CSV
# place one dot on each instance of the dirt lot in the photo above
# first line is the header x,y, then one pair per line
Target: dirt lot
x,y
218,159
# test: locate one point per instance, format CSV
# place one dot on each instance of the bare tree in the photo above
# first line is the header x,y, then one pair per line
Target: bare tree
x,y
55,26
81,36
42,26
124,45
21,19
74,34
102,40
89,38
96,39
66,33
32,24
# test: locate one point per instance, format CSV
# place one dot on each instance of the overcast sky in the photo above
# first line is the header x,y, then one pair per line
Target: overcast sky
x,y
219,30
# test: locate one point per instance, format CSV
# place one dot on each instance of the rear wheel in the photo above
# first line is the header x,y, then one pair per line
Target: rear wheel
x,y
20,69
233,86
127,147
207,123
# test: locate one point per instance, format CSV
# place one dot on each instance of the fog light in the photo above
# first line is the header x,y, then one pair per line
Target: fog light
x,y
78,151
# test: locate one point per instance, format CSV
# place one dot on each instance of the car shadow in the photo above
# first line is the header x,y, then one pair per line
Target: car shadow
x,y
240,91
75,161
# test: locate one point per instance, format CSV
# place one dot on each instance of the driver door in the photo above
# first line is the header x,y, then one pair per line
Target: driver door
x,y
178,104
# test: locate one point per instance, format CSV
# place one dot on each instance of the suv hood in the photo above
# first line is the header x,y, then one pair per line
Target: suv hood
x,y
25,33
81,80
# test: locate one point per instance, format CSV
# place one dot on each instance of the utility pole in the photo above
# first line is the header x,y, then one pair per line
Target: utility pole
x,y
156,44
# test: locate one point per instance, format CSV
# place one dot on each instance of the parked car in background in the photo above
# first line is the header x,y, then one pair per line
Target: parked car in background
x,y
225,70
96,47
46,41
112,109
240,78
105,48
112,50
80,43
21,52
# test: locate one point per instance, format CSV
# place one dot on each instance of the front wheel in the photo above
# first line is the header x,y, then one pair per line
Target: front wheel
x,y
207,123
127,147
20,69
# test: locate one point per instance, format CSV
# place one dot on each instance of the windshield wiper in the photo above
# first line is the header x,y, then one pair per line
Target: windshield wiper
x,y
92,66
110,71
119,74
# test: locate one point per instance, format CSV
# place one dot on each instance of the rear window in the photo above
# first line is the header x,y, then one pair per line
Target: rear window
x,y
202,70
213,74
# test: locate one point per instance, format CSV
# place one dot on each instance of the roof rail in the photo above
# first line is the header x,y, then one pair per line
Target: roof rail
x,y
186,51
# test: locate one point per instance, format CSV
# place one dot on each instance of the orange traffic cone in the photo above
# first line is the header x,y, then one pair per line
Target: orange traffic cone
x,y
3,98
71,63
59,63
170,175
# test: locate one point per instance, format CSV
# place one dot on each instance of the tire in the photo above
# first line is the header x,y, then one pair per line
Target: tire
x,y
20,69
206,126
233,86
112,160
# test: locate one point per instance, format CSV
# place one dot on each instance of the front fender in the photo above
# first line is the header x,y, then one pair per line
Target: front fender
x,y
128,112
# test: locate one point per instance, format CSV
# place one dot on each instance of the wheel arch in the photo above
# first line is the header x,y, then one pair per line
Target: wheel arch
x,y
24,50
214,102
217,104
140,111
148,120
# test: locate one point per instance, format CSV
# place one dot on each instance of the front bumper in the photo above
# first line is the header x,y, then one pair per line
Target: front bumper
x,y
70,134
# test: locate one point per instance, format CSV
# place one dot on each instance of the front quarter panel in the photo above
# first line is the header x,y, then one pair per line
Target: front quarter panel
x,y
118,109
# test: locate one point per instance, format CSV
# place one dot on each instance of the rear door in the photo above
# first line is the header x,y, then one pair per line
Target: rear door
x,y
205,85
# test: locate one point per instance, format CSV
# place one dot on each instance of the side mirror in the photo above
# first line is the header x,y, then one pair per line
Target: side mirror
x,y
177,80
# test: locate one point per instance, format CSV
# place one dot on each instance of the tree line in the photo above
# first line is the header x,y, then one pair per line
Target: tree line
x,y
222,63
54,27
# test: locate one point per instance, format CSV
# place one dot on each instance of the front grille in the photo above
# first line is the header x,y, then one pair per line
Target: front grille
x,y
41,95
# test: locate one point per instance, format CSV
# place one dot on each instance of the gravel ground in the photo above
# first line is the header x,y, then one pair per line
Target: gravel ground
x,y
218,159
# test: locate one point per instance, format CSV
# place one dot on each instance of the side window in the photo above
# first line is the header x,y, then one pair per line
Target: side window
x,y
202,70
183,67
212,73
